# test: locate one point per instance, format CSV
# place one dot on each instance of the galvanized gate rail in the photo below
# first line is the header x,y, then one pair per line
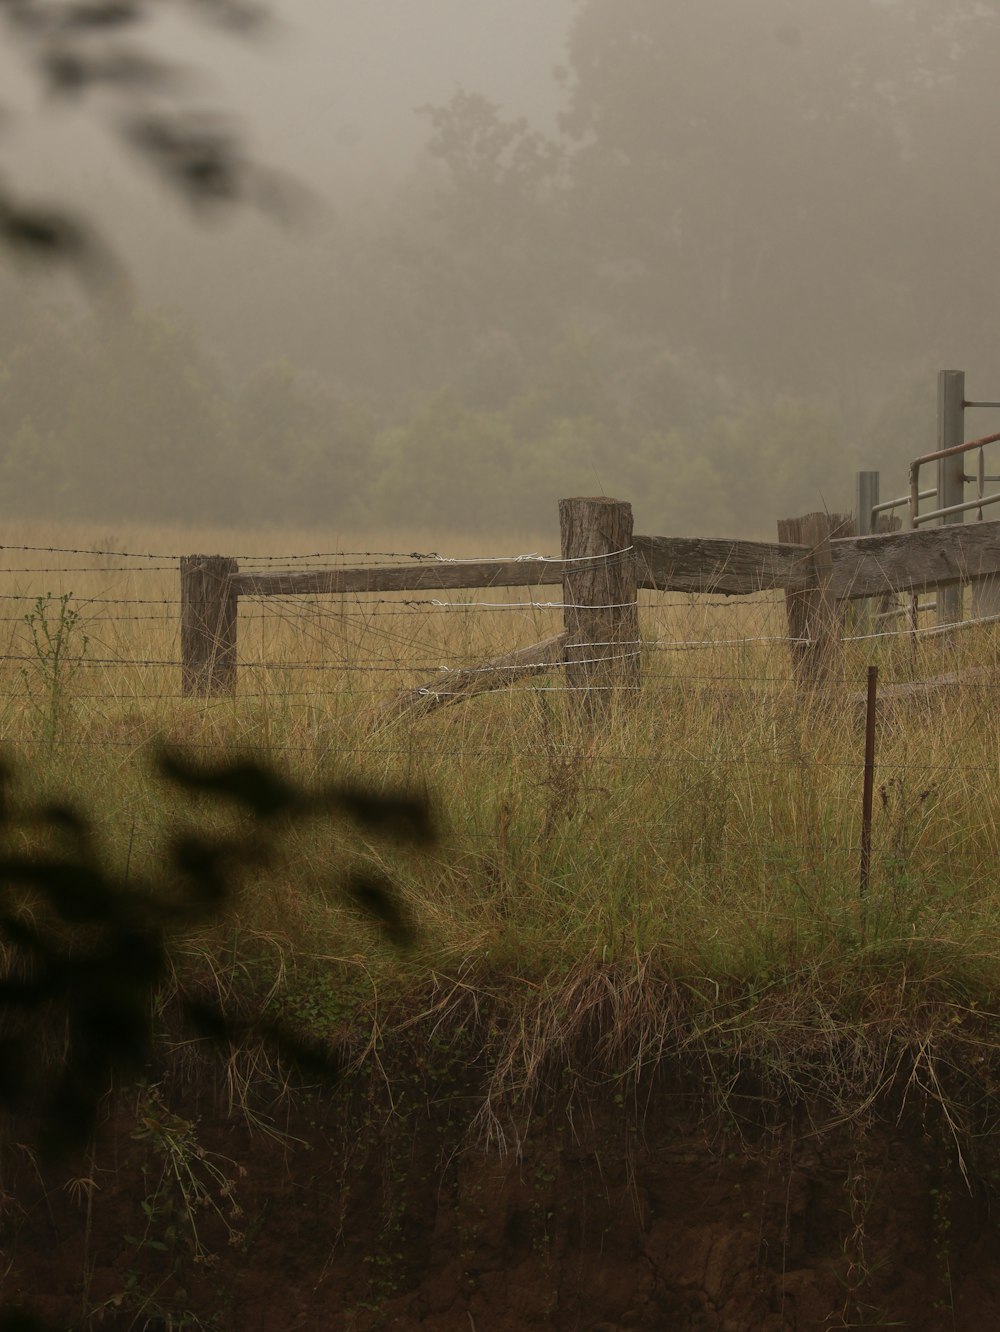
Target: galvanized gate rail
x,y
949,492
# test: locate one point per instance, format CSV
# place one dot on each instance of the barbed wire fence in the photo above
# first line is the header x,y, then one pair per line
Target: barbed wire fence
x,y
128,607
153,598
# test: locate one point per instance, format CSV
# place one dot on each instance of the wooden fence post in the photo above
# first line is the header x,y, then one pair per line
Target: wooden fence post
x,y
208,625
814,616
601,614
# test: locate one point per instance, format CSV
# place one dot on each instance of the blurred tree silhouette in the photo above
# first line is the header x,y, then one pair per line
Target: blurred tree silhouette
x,y
78,48
83,954
741,167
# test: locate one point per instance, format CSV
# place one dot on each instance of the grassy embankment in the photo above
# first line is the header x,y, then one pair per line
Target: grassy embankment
x,y
680,881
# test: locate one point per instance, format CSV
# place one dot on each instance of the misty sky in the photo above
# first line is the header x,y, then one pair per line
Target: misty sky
x,y
751,249
362,76
333,88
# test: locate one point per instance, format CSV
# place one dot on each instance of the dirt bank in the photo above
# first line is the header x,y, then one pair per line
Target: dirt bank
x,y
609,1212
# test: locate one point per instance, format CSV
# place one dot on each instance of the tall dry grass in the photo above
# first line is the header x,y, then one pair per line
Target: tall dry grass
x,y
695,854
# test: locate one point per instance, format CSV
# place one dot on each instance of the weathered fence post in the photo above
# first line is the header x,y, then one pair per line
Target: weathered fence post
x,y
208,625
813,614
600,595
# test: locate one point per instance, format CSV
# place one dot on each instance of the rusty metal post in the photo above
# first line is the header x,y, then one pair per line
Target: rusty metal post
x,y
869,789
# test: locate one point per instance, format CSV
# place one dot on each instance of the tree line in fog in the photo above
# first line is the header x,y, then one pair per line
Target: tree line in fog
x,y
722,285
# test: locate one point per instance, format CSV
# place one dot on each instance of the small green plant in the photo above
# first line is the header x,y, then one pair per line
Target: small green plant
x,y
859,1268
186,1185
58,647
191,1180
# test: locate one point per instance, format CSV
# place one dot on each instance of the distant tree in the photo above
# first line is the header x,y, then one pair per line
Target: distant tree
x,y
497,236
140,420
752,180
495,166
301,452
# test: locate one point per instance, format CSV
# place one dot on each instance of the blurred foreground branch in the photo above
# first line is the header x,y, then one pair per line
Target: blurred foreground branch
x,y
85,953
96,50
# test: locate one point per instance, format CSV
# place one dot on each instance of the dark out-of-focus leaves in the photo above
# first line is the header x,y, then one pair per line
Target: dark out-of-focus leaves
x,y
237,16
378,899
101,14
42,234
84,954
266,795
262,792
306,1057
70,72
201,158
75,49
78,892
206,869
49,236
51,20
406,818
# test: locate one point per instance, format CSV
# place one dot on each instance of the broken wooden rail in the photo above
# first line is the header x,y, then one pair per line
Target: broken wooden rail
x,y
601,568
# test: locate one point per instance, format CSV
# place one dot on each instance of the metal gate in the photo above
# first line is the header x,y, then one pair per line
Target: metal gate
x,y
948,494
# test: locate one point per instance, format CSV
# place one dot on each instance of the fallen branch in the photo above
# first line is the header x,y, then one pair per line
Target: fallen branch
x,y
457,685
925,688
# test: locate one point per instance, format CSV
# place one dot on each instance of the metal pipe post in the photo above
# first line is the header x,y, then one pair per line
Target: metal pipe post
x,y
868,799
866,501
951,473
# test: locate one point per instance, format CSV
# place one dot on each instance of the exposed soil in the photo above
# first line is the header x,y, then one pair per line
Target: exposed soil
x,y
611,1215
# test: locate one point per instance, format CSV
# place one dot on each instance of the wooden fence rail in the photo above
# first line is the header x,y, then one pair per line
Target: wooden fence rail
x,y
601,569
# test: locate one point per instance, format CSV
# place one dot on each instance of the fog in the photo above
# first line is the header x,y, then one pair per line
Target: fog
x,y
706,257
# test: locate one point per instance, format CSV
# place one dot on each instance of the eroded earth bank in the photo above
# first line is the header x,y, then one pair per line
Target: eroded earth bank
x,y
396,1204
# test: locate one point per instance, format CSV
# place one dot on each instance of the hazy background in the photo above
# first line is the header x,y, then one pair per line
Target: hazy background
x,y
707,257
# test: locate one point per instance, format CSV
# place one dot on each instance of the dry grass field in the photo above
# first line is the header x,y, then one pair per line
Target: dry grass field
x,y
707,830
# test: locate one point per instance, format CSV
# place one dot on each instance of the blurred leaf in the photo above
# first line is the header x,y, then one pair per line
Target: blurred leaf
x,y
99,983
378,898
405,817
43,234
263,792
207,1020
308,1057
70,72
207,866
201,157
102,14
78,892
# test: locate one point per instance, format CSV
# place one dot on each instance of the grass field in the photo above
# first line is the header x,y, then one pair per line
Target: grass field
x,y
682,878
